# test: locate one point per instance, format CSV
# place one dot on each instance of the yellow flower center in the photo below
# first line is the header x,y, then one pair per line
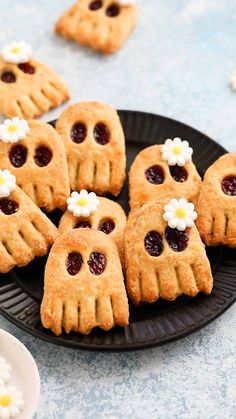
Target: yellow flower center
x,y
12,128
177,150
180,213
5,400
82,202
2,180
15,50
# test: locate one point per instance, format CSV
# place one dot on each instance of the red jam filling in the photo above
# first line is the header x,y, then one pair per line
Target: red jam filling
x,y
153,243
78,132
177,240
179,174
8,207
101,134
42,156
97,263
113,10
83,224
95,5
155,175
18,155
26,68
229,185
106,226
74,263
8,77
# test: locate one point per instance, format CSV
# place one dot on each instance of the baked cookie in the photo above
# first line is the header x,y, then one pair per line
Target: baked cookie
x,y
165,259
160,172
84,284
25,231
217,203
85,210
28,88
35,154
103,25
95,145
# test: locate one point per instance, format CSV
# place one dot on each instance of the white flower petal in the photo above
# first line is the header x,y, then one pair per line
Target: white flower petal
x,y
85,212
181,225
173,222
83,193
172,161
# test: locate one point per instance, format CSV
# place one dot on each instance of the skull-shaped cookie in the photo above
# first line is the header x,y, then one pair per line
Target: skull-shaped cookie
x,y
38,161
84,284
25,231
103,25
162,261
217,203
95,146
27,89
152,179
108,217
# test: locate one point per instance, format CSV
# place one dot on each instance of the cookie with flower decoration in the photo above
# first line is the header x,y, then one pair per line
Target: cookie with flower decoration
x,y
28,88
99,24
11,402
165,256
86,210
25,231
160,172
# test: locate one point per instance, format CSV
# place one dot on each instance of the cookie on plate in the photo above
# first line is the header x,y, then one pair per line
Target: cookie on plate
x,y
165,256
217,203
161,172
35,154
95,146
28,88
100,24
84,285
85,210
25,231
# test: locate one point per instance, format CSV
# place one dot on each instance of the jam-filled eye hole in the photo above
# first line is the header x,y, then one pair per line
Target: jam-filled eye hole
x,y
42,156
113,10
95,5
26,68
8,207
74,263
97,263
177,240
18,155
8,76
106,226
83,224
78,132
101,134
229,185
178,173
155,175
153,243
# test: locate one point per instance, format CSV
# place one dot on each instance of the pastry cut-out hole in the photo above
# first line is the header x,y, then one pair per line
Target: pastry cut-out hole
x,y
95,5
18,155
106,226
97,263
27,68
178,173
43,156
8,207
8,76
113,10
177,240
78,132
153,243
101,134
83,224
229,185
155,175
74,263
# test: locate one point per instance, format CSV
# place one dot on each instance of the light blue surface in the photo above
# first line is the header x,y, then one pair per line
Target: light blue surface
x,y
177,63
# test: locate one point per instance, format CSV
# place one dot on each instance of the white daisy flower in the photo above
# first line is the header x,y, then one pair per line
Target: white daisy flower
x,y
11,402
5,371
179,214
233,80
16,52
83,204
176,152
13,130
7,183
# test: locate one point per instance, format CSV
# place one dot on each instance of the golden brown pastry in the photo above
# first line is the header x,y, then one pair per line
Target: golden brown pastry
x,y
163,261
100,24
152,178
84,284
35,154
217,203
28,88
95,146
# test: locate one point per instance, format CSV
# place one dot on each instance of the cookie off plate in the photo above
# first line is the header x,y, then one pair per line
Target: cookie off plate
x,y
150,325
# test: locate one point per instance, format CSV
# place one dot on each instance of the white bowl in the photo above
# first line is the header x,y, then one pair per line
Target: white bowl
x,y
24,375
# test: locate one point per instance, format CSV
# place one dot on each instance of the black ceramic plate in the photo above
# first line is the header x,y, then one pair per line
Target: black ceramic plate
x,y
153,324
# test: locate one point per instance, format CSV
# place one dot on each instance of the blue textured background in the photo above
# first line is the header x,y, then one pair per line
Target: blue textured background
x,y
177,63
